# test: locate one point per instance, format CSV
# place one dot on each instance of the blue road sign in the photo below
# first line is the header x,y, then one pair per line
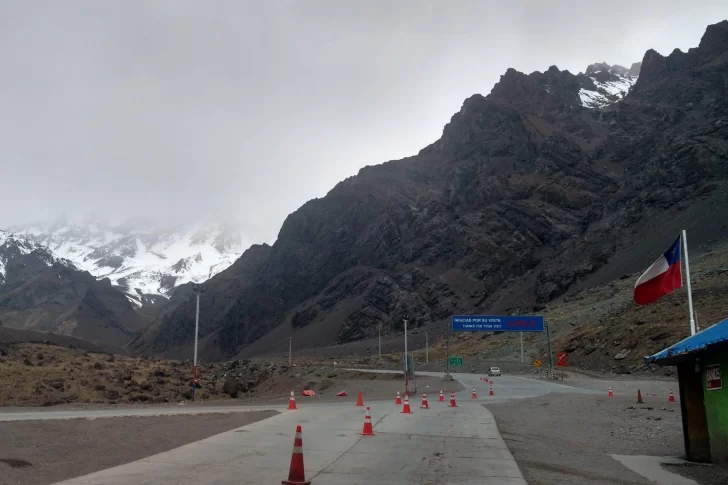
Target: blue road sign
x,y
488,323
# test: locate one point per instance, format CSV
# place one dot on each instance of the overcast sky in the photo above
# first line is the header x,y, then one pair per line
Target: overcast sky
x,y
249,109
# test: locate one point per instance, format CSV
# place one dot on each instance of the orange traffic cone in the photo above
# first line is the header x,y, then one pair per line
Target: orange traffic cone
x,y
367,430
672,397
406,408
292,402
611,394
296,474
442,396
639,397
424,405
359,399
475,396
452,400
399,399
491,393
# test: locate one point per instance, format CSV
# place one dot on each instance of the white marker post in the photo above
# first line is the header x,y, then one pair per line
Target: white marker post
x,y
521,347
687,277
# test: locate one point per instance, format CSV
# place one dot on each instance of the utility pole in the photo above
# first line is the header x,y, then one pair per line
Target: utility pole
x,y
406,360
290,339
427,349
197,290
447,353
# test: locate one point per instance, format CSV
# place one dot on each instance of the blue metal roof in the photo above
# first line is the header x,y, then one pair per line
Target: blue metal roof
x,y
700,341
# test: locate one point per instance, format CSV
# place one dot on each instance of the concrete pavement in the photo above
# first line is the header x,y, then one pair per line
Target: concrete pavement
x,y
505,388
436,446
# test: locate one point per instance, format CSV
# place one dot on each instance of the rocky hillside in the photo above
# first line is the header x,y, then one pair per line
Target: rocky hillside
x,y
528,194
140,258
39,291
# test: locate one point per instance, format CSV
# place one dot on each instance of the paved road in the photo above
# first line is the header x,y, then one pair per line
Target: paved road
x,y
441,445
505,387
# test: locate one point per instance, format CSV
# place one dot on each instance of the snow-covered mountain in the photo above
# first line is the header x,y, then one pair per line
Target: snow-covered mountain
x,y
13,247
42,292
139,258
603,84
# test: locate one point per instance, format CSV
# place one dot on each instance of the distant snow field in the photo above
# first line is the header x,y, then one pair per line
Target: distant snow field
x,y
140,260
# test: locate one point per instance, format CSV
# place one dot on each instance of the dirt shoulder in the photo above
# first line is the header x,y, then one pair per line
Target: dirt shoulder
x,y
44,452
567,438
716,474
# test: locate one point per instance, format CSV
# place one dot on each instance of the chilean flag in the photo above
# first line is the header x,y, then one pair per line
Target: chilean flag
x,y
660,278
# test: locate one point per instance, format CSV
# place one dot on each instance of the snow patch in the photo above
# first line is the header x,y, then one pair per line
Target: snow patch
x,y
607,92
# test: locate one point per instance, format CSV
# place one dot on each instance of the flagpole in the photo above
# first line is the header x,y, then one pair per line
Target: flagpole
x,y
690,291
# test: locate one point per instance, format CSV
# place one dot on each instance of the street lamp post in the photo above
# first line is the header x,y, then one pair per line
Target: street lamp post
x,y
290,339
197,291
406,360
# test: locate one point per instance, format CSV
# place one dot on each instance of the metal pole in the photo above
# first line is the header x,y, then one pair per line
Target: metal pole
x,y
427,349
406,361
551,354
290,339
197,330
447,352
687,276
521,347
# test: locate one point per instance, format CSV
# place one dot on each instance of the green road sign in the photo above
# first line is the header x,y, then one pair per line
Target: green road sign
x,y
456,361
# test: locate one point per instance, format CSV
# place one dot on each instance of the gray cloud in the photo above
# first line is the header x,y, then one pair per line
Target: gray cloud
x,y
248,109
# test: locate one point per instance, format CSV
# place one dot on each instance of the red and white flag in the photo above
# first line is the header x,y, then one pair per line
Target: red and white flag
x,y
661,278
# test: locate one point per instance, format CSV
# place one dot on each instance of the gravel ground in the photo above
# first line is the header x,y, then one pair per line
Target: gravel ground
x,y
44,452
703,474
277,391
566,438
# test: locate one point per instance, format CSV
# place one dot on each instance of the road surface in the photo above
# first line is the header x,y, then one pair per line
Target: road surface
x,y
436,446
442,445
505,388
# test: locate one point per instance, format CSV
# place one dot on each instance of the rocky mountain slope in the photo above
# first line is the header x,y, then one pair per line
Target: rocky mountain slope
x,y
144,261
39,291
527,195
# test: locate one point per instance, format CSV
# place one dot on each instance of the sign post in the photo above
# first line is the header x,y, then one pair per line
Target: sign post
x,y
551,353
521,333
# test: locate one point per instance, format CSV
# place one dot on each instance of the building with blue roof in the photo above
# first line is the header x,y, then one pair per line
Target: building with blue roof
x,y
702,365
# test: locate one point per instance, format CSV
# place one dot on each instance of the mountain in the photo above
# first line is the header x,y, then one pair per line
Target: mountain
x,y
144,261
39,291
529,194
603,84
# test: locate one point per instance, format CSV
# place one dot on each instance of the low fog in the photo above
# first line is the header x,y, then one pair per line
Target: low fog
x,y
246,110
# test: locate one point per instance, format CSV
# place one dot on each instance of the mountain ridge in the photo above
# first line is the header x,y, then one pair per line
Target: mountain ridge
x,y
527,194
39,291
143,260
